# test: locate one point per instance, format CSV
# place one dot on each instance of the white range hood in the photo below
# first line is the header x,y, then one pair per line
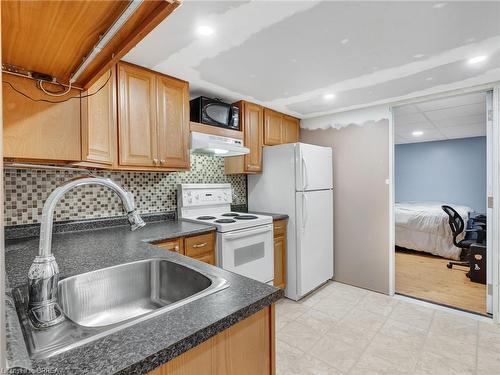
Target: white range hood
x,y
202,143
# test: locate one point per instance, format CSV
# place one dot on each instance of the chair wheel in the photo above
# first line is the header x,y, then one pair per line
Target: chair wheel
x,y
450,266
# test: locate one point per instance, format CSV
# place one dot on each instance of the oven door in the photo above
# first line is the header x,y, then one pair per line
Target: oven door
x,y
248,252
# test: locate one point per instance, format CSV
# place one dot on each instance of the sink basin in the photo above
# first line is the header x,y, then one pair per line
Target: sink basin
x,y
101,302
123,292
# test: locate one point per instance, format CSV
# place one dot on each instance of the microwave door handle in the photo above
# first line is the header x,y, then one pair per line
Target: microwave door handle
x,y
246,233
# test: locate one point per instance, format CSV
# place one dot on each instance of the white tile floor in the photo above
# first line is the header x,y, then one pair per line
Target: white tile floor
x,y
341,329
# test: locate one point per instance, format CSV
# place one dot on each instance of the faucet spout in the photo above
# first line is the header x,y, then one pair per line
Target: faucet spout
x,y
43,275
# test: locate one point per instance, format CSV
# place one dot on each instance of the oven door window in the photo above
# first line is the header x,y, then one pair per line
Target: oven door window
x,y
250,253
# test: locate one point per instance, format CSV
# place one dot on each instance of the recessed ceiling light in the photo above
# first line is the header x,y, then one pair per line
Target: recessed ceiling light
x,y
344,41
417,133
205,30
328,96
439,5
477,59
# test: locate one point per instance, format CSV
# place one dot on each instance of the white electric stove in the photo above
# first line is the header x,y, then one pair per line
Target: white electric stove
x,y
244,241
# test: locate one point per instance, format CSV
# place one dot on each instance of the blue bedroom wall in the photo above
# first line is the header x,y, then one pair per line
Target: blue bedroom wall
x,y
452,171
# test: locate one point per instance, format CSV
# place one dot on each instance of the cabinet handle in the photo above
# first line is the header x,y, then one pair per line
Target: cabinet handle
x,y
162,161
197,245
176,248
155,161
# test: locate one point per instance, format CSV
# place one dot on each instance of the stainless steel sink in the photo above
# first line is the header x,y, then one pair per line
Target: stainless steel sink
x,y
101,302
116,294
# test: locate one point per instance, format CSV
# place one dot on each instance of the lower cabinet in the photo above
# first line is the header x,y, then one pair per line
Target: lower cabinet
x,y
280,253
201,247
247,348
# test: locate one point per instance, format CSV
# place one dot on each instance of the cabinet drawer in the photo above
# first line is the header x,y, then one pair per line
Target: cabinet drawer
x,y
171,245
279,228
207,258
198,245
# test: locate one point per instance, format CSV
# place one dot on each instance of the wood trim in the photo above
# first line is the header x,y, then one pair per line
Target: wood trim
x,y
149,15
214,130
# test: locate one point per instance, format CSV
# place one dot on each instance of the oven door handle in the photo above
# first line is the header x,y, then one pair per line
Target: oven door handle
x,y
246,233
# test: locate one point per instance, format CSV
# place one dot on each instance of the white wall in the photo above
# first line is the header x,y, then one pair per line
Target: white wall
x,y
361,193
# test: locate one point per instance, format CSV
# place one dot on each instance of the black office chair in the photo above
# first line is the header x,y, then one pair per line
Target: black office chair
x,y
473,235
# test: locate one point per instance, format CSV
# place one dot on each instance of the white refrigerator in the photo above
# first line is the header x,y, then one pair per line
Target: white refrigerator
x,y
297,180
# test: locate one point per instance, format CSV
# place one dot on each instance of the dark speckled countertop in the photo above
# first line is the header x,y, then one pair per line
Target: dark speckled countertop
x,y
153,342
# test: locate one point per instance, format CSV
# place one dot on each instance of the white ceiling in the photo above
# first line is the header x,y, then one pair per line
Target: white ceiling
x,y
461,116
288,54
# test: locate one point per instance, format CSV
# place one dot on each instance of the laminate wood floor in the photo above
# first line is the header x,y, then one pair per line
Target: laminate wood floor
x,y
426,277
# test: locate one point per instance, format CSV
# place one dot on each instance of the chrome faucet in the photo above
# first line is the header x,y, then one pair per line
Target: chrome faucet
x,y
43,275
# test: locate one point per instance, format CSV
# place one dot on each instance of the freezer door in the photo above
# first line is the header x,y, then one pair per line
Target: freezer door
x,y
313,167
314,239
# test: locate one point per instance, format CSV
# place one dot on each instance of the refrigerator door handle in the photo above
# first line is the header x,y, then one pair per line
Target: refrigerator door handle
x,y
305,177
304,211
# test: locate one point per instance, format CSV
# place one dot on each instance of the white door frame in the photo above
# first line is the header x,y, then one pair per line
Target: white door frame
x,y
495,165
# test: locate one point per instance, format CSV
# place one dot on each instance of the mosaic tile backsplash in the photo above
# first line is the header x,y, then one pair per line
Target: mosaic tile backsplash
x,y
27,189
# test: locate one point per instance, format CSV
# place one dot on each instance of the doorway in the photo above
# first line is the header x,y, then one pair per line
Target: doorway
x,y
442,180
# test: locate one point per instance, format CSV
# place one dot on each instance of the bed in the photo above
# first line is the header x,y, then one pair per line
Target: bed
x,y
423,226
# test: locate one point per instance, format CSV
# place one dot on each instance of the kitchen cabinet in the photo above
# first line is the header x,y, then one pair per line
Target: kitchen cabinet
x,y
137,122
290,129
272,127
98,128
173,122
280,128
280,253
153,120
39,131
246,348
200,247
252,122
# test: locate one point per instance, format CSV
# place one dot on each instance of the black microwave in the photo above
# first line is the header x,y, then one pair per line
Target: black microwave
x,y
215,112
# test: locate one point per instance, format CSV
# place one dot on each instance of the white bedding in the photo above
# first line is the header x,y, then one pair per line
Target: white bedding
x,y
424,226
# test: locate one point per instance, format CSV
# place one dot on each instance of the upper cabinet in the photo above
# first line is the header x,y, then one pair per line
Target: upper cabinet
x,y
280,128
137,120
173,122
272,127
153,119
252,123
261,127
99,121
290,129
56,37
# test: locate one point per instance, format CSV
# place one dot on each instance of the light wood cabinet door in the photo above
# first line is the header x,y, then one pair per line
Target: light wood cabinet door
x,y
201,247
290,129
173,122
280,254
137,125
253,130
272,127
99,121
279,262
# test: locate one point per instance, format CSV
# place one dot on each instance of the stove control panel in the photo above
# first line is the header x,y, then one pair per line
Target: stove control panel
x,y
194,196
